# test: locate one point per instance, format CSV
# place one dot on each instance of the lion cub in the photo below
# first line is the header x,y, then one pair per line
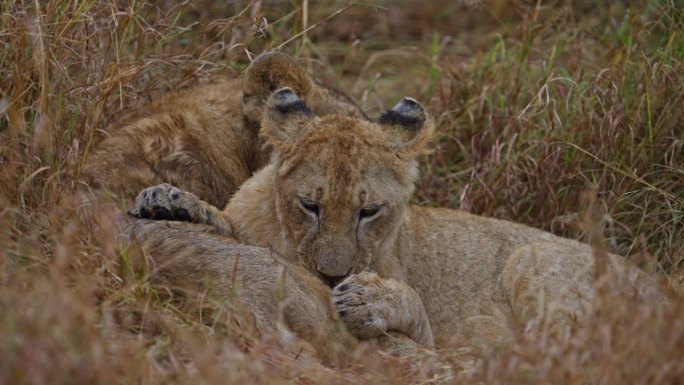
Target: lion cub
x,y
203,139
334,199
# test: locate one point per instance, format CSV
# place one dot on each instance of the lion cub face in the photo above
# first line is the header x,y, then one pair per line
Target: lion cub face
x,y
342,183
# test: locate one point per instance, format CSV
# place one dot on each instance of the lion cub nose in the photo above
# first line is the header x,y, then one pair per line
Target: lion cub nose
x,y
332,281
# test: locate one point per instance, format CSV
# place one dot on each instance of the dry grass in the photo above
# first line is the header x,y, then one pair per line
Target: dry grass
x,y
537,103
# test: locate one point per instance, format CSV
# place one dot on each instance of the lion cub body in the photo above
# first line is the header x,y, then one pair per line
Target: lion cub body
x,y
335,200
204,139
195,138
477,277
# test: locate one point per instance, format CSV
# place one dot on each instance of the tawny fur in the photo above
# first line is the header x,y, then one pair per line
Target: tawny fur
x,y
335,201
280,296
204,139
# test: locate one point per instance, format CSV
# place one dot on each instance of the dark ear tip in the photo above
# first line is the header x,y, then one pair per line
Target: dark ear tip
x,y
285,92
286,101
408,113
409,106
410,102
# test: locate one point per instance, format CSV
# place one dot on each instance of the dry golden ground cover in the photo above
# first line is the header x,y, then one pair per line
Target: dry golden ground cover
x,y
565,115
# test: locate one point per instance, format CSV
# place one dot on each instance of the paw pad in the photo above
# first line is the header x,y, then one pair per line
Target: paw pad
x,y
165,202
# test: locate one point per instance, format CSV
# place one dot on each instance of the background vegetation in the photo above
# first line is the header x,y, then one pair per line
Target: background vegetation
x,y
548,113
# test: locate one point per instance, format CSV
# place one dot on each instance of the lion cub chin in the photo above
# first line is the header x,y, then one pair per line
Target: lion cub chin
x,y
334,200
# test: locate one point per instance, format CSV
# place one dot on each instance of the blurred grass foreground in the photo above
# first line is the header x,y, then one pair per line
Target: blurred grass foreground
x,y
543,109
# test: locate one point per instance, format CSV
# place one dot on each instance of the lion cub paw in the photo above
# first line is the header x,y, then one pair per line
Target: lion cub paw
x,y
366,304
166,202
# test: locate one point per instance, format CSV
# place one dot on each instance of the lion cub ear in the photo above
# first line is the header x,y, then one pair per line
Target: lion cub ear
x,y
286,119
408,127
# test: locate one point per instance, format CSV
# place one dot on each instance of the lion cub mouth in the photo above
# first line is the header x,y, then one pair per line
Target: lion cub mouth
x,y
331,281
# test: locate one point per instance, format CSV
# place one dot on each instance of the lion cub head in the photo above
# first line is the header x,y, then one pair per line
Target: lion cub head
x,y
268,72
342,183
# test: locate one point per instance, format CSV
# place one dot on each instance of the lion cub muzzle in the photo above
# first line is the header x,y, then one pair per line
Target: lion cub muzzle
x,y
332,268
334,255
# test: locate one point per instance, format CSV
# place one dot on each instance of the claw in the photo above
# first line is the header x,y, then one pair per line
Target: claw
x,y
342,288
145,213
161,213
181,215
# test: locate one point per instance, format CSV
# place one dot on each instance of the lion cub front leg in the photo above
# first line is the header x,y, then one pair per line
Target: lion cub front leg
x,y
371,306
166,202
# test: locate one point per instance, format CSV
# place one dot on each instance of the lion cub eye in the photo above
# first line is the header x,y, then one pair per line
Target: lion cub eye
x,y
308,205
369,211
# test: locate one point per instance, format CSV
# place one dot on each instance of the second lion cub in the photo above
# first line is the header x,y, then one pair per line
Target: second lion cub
x,y
203,139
